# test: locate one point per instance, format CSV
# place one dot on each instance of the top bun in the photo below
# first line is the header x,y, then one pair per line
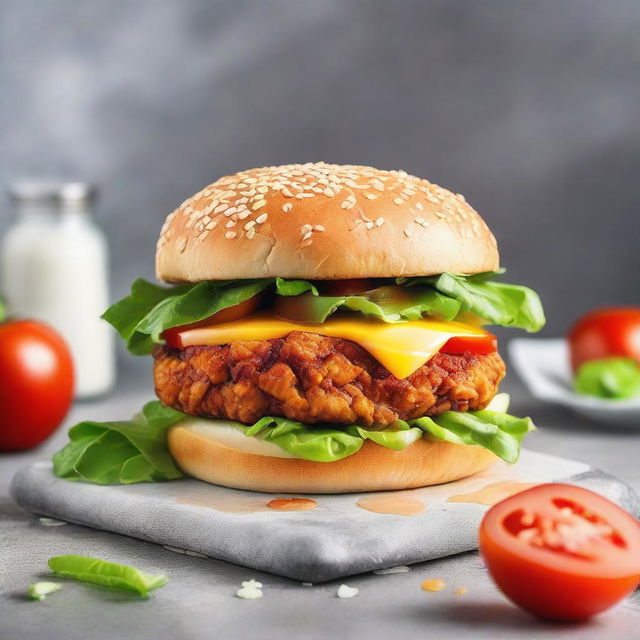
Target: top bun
x,y
322,221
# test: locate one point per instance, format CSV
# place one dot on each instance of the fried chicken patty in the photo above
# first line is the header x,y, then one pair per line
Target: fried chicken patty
x,y
312,378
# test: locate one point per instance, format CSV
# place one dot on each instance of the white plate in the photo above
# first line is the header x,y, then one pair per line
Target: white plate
x,y
544,367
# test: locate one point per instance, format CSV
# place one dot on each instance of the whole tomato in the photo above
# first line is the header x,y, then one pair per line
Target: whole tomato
x,y
36,383
605,333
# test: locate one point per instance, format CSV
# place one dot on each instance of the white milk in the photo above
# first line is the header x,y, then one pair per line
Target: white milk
x,y
54,267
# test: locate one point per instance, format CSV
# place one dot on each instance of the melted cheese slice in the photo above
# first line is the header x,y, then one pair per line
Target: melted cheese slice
x,y
402,348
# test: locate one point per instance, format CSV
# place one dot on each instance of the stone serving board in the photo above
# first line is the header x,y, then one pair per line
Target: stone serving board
x,y
340,537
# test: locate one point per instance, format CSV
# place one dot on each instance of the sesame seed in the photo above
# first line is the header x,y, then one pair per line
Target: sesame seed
x,y
287,206
398,201
329,192
408,231
419,220
230,223
220,208
306,236
261,218
230,235
251,223
318,227
305,228
203,235
244,214
181,244
285,192
251,233
419,205
379,222
258,205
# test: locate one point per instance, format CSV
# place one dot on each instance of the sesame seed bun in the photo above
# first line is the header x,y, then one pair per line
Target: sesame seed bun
x,y
322,221
209,451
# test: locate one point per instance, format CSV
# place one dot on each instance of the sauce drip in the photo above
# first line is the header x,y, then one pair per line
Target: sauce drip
x,y
492,493
224,504
292,504
399,504
433,584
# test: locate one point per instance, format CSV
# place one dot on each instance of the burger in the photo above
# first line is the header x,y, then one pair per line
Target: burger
x,y
324,332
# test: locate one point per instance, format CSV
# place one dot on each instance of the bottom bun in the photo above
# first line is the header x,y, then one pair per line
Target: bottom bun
x,y
374,468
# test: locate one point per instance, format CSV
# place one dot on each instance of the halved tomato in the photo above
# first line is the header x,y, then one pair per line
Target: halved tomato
x,y
561,552
172,336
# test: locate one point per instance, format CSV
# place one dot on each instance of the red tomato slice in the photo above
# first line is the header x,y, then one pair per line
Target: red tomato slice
x,y
482,345
603,333
172,336
561,552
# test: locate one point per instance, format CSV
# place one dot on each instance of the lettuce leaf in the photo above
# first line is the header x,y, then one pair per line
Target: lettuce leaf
x,y
142,316
612,378
389,304
108,574
499,432
508,305
310,443
122,452
294,287
135,451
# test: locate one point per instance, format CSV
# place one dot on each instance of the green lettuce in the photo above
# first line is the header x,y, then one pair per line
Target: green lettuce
x,y
142,316
310,443
611,378
122,452
108,574
507,305
389,304
149,310
136,451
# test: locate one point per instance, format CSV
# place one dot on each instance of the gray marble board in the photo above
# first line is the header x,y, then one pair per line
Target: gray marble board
x,y
338,538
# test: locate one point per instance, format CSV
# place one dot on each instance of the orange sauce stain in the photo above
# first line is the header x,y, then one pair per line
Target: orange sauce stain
x,y
227,504
434,584
460,591
397,504
292,504
492,493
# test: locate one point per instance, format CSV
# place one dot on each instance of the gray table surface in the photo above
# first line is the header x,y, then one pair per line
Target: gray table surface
x,y
199,601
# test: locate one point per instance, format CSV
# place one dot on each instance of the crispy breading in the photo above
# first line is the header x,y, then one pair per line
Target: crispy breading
x,y
312,378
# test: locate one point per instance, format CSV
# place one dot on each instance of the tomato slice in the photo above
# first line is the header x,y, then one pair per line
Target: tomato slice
x,y
241,310
481,345
561,552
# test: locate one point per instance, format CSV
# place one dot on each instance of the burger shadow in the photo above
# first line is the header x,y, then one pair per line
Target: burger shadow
x,y
490,617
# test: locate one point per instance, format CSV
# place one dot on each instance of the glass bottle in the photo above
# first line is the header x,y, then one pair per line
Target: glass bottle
x,y
54,267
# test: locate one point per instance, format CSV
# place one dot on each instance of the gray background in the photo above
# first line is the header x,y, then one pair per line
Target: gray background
x,y
529,108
